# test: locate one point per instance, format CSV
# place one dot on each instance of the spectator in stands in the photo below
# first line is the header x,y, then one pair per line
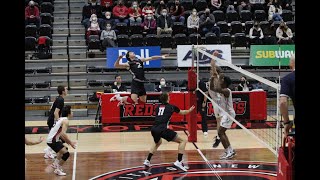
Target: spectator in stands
x,y
162,84
148,7
274,12
94,28
117,86
284,34
207,23
193,22
135,13
149,24
160,7
177,12
215,5
108,37
244,84
108,20
230,8
164,23
270,35
244,5
256,34
88,10
120,12
92,8
32,14
106,6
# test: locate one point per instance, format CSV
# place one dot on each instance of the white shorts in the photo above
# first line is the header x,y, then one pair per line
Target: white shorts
x,y
226,122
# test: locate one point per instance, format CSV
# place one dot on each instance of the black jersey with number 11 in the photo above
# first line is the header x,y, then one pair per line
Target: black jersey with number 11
x,y
164,113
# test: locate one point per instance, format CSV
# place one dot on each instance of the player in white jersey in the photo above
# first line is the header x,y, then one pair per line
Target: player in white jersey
x,y
216,98
224,100
58,131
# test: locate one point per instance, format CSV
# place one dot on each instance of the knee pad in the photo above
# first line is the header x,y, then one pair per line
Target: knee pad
x,y
65,156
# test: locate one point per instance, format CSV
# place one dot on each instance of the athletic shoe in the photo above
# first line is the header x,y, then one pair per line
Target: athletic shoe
x,y
54,165
229,155
180,165
205,134
216,142
223,154
114,98
60,172
48,154
147,163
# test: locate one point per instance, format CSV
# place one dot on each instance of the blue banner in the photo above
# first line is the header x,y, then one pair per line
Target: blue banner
x,y
141,52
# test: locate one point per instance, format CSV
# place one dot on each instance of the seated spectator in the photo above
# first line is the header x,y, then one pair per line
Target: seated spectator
x,y
149,24
148,7
120,12
160,7
244,6
108,37
32,14
284,34
108,20
92,8
244,85
135,13
270,35
215,5
193,22
94,28
164,23
256,34
106,5
177,12
162,84
207,23
274,12
117,86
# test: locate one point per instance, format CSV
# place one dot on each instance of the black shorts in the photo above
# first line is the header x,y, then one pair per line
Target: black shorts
x,y
159,132
138,88
56,146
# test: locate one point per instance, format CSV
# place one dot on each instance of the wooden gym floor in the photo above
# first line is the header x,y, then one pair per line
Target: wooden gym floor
x,y
100,153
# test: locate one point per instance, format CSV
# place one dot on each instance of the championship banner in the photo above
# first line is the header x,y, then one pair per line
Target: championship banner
x,y
184,54
141,52
270,55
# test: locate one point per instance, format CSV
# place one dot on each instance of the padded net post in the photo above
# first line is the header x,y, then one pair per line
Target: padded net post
x,y
191,100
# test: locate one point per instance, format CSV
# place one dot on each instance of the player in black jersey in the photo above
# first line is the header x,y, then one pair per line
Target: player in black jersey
x,y
160,130
54,114
136,68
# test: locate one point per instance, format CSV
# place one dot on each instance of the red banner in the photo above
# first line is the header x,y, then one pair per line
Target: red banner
x,y
248,106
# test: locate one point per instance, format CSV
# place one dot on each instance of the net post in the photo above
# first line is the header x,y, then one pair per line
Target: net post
x,y
191,100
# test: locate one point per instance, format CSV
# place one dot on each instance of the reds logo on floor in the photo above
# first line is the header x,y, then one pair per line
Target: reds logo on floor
x,y
227,170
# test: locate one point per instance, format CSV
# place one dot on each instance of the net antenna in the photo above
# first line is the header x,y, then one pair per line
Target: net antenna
x,y
274,147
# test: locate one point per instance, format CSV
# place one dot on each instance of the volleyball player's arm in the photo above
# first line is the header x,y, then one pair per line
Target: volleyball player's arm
x,y
56,113
121,66
28,142
154,58
184,112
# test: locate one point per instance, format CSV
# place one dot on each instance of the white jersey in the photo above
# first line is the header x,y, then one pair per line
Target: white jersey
x,y
54,133
225,103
